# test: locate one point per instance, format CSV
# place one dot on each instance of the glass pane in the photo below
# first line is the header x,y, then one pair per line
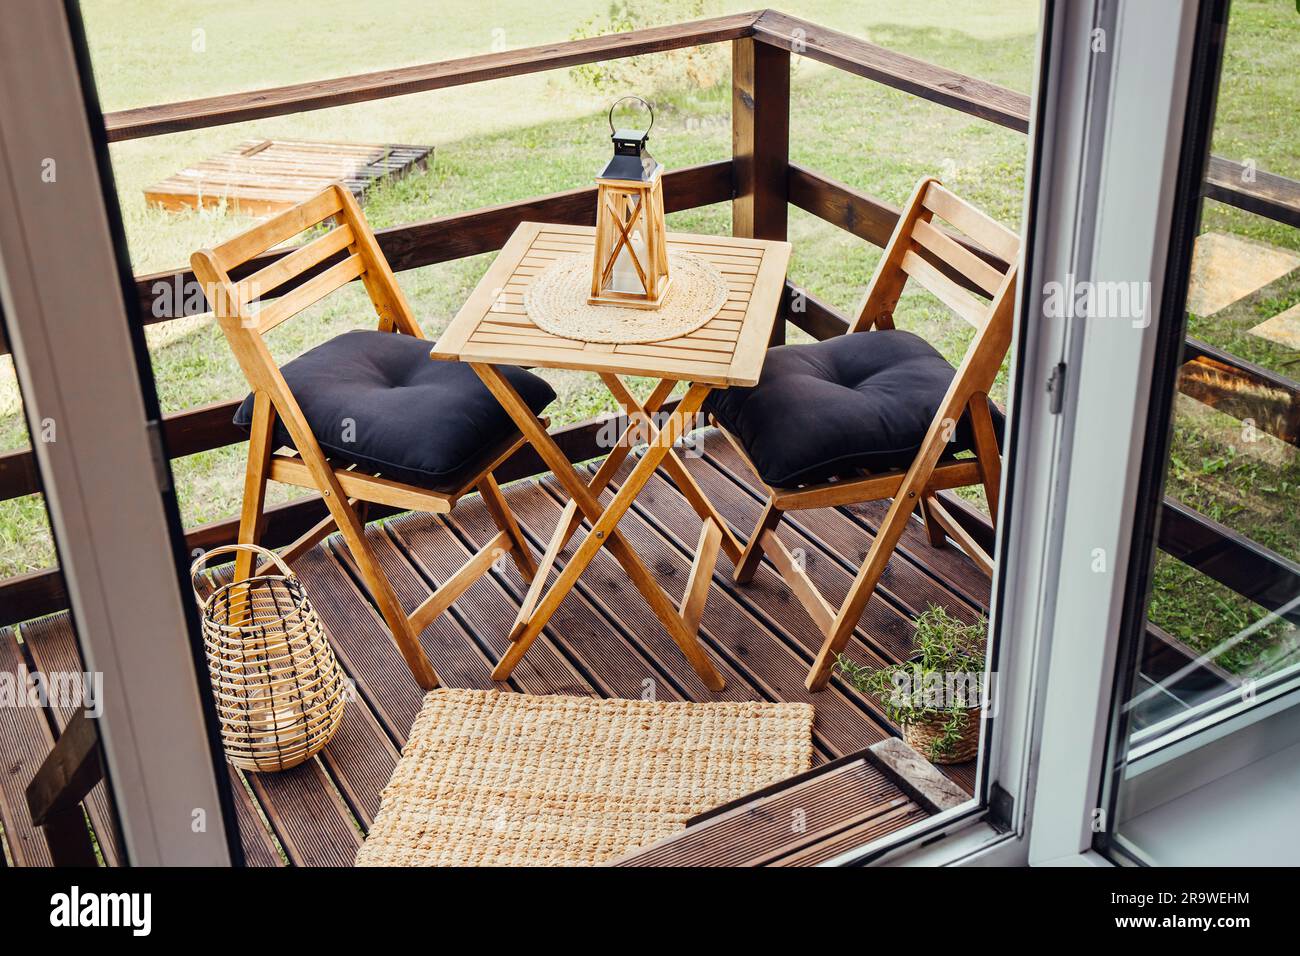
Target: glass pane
x,y
44,684
1208,687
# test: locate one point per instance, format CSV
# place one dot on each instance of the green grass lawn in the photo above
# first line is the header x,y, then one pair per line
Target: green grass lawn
x,y
524,136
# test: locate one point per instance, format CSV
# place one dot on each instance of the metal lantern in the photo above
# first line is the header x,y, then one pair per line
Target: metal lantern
x,y
630,266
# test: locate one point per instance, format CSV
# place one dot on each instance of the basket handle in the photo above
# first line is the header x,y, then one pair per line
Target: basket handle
x,y
256,549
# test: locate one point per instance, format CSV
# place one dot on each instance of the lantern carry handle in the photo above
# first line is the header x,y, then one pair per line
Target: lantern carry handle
x,y
632,96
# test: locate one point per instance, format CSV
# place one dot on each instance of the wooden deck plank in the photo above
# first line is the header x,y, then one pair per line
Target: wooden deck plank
x,y
961,578
310,819
25,740
53,648
852,815
360,759
734,836
884,634
767,600
845,535
744,641
316,823
788,823
486,609
873,827
948,566
361,642
916,575
255,838
603,640
343,784
604,585
609,626
882,627
453,651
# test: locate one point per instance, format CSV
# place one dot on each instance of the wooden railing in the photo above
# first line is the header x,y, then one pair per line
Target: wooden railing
x,y
758,180
64,779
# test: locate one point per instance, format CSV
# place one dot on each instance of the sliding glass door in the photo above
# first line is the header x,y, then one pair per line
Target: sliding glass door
x,y
1204,749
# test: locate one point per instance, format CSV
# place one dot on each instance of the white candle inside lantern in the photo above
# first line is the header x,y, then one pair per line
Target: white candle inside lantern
x,y
624,277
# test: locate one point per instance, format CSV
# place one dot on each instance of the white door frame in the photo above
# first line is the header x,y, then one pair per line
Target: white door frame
x,y
1124,208
63,288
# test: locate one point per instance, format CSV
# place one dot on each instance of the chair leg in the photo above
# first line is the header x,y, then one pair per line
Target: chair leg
x,y
390,609
251,520
864,585
753,553
933,529
505,521
986,450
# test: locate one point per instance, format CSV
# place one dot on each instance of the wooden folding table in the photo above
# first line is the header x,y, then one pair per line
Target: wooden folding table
x,y
493,329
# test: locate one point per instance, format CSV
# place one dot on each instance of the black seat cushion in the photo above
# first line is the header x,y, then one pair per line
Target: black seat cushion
x,y
863,400
376,400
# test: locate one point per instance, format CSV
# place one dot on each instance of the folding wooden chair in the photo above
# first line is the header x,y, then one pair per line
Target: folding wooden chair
x,y
368,416
878,413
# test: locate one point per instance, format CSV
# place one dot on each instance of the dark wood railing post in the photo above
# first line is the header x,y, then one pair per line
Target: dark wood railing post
x,y
760,143
55,794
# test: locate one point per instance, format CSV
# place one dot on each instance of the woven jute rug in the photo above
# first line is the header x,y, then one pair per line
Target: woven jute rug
x,y
557,302
492,778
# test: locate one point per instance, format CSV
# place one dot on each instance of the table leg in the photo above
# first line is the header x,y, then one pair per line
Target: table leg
x,y
676,469
618,454
604,530
553,549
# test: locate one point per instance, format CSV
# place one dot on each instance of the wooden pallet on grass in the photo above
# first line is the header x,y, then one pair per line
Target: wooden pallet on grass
x,y
262,176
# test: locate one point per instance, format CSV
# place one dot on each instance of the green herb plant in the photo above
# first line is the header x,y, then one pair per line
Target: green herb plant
x,y
945,645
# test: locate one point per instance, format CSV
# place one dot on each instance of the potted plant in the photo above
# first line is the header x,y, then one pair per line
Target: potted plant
x,y
935,697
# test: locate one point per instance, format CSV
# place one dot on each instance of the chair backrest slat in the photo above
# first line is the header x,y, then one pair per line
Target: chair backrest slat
x,y
921,248
946,249
244,325
989,233
247,307
305,257
944,289
941,261
309,293
278,228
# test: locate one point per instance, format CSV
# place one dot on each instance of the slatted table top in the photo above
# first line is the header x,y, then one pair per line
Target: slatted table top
x,y
493,327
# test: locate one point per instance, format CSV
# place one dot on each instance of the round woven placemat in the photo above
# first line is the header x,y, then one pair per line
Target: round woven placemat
x,y
557,302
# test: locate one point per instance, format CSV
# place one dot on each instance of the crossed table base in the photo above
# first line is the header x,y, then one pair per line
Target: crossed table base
x,y
681,621
493,330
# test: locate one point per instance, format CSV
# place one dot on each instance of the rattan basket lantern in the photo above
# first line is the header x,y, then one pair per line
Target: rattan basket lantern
x,y
278,687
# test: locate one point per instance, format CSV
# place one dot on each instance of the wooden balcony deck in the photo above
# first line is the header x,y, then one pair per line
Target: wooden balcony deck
x,y
604,640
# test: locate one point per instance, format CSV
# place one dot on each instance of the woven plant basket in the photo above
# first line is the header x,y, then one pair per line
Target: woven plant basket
x,y
920,736
278,687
